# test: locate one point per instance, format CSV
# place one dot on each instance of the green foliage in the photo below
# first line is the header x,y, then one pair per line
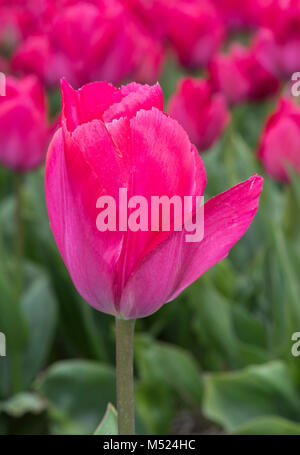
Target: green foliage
x,y
109,423
77,392
234,399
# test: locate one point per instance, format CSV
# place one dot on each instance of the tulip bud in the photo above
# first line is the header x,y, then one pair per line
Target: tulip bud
x,y
240,76
24,131
202,114
279,144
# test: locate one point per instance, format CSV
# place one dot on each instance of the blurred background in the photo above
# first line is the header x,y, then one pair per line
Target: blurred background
x,y
222,358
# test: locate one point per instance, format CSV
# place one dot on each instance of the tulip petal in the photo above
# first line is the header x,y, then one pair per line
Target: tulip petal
x,y
175,263
162,163
136,97
87,253
88,103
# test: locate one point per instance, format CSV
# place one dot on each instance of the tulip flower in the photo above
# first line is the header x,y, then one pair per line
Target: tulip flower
x,y
195,31
240,15
240,76
24,131
202,114
279,145
278,42
18,20
116,46
113,139
153,14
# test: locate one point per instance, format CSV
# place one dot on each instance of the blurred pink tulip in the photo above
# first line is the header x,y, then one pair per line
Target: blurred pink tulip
x,y
20,19
240,76
280,140
278,43
201,113
152,13
241,14
24,131
109,45
119,138
195,30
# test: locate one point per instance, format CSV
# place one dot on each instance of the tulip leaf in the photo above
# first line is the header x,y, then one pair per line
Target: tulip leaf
x,y
164,363
213,322
272,425
40,312
12,322
109,423
236,398
249,328
155,407
283,253
77,392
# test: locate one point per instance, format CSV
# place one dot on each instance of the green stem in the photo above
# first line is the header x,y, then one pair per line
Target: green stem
x,y
125,386
19,231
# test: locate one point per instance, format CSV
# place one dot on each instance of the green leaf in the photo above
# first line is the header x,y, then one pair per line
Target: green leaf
x,y
171,74
109,423
234,399
77,392
283,254
155,407
272,425
40,312
250,354
22,403
213,321
225,278
12,322
248,327
249,119
173,366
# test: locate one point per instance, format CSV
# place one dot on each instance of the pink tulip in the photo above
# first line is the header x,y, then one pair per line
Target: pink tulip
x,y
119,138
240,76
24,130
20,19
201,113
13,21
153,14
280,140
241,14
195,30
115,46
278,43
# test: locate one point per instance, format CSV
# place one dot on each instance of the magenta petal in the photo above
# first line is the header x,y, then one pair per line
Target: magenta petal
x,y
162,163
99,152
88,254
175,263
136,97
88,103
